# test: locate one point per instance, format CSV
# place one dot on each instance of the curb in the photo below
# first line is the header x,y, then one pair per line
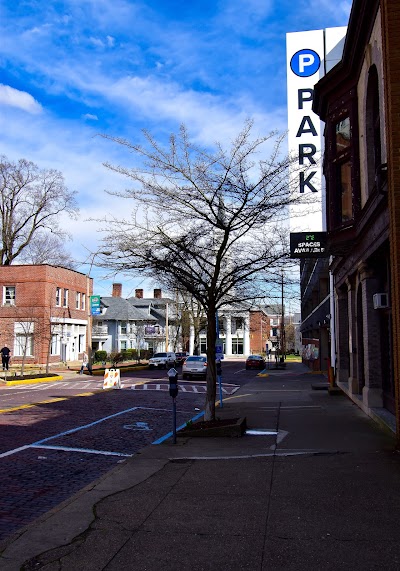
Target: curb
x,y
33,381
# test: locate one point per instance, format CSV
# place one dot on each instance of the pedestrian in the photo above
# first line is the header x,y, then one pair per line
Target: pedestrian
x,y
5,357
85,363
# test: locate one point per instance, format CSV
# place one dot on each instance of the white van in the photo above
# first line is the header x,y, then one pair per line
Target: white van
x,y
162,360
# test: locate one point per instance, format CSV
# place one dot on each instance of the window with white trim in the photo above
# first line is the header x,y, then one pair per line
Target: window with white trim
x,y
23,345
65,298
55,345
83,301
9,295
78,300
58,296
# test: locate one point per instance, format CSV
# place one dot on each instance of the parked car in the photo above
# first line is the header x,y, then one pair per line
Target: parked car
x,y
162,360
195,365
255,362
181,357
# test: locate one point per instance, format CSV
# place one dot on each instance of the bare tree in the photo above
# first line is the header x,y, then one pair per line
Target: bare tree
x,y
46,248
31,203
214,222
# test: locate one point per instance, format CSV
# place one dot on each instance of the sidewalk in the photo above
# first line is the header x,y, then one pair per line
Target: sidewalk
x,y
318,489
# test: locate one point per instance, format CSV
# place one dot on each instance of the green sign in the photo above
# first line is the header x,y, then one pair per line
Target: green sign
x,y
95,305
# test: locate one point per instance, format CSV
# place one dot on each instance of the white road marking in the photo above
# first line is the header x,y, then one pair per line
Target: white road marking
x,y
40,443
84,450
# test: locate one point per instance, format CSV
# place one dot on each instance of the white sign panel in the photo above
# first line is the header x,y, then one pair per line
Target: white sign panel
x,y
306,64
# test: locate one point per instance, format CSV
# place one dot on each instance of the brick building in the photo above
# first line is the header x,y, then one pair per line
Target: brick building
x,y
359,100
44,313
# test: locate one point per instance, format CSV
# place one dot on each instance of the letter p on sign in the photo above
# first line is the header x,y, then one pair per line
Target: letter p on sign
x,y
305,63
305,60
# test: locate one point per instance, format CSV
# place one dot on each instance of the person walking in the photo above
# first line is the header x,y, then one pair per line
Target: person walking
x,y
5,357
85,363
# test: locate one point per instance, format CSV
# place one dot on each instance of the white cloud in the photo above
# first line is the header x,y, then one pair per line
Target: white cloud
x,y
96,42
19,99
91,117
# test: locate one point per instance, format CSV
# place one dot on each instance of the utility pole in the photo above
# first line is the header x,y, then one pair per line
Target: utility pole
x,y
283,347
166,327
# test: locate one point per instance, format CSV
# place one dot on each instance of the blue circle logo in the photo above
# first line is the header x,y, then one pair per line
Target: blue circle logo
x,y
305,63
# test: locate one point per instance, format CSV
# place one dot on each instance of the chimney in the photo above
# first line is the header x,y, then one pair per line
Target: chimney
x,y
117,290
157,294
139,293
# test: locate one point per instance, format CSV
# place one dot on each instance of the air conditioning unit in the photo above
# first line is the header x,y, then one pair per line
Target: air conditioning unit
x,y
381,300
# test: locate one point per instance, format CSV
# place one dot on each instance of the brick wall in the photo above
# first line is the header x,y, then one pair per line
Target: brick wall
x,y
35,301
391,26
259,331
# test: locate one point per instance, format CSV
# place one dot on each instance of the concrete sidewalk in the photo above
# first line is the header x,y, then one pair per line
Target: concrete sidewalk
x,y
314,486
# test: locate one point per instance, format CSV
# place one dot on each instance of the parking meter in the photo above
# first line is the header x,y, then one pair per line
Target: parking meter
x,y
173,382
219,367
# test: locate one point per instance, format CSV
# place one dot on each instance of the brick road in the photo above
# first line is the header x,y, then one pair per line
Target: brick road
x,y
35,479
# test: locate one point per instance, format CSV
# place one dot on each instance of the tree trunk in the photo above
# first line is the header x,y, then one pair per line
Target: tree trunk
x,y
209,411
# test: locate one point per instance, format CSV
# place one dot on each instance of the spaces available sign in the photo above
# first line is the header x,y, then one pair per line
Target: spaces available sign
x,y
308,245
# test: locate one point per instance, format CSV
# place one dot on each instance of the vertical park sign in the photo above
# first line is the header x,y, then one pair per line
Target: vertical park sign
x,y
309,56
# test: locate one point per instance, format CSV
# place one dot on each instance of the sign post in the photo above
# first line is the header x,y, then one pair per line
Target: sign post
x,y
173,391
219,355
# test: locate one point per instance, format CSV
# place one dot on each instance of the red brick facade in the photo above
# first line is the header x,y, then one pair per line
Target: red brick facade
x,y
44,309
391,62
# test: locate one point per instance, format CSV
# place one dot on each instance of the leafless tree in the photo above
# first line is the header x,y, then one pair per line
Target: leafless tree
x,y
214,222
31,203
46,248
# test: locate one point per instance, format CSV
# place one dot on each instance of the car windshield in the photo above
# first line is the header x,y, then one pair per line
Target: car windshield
x,y
195,359
255,357
160,355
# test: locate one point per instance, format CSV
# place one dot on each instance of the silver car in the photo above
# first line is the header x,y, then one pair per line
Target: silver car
x,y
194,366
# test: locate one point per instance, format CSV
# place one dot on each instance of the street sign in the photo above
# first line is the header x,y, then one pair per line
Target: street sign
x,y
219,349
95,305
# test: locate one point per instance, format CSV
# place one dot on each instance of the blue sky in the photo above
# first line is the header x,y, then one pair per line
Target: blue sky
x,y
73,69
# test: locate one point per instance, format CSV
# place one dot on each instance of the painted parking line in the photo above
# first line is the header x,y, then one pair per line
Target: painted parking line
x,y
81,450
197,389
43,443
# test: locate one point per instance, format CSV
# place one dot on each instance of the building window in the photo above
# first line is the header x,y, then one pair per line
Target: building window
x,y
78,300
23,345
343,134
81,345
373,127
9,295
123,345
58,296
83,301
237,346
342,198
124,328
203,345
55,345
345,210
65,298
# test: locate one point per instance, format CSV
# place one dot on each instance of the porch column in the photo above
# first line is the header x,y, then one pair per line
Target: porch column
x,y
342,341
228,334
354,386
246,335
372,391
191,339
